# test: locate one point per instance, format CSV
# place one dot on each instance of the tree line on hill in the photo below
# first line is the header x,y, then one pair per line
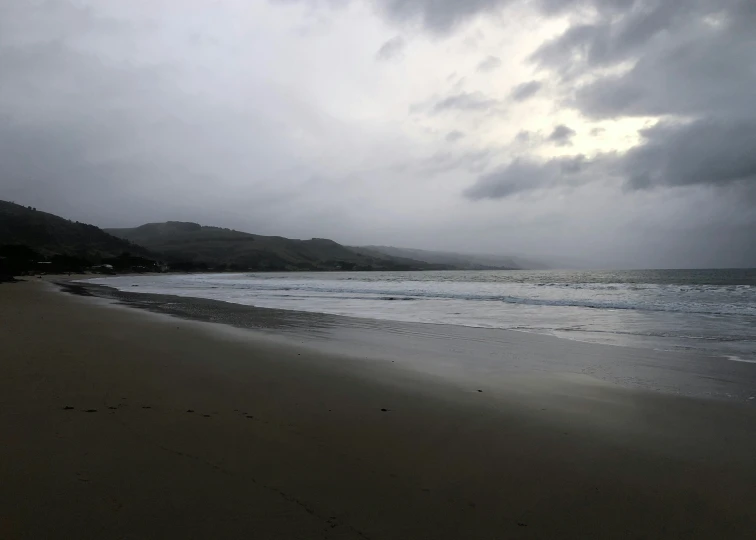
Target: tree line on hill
x,y
35,242
21,260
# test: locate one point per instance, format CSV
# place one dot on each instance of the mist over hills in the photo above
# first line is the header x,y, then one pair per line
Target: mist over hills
x,y
462,261
30,237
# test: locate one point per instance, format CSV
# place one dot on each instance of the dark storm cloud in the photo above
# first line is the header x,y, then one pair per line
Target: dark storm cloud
x,y
644,26
562,135
693,59
489,64
466,101
708,75
526,90
393,48
613,37
714,152
705,152
527,175
692,63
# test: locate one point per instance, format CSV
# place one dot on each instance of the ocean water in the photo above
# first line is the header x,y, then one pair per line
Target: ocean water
x,y
710,311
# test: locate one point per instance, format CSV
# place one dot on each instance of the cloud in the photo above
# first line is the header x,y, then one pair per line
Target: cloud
x,y
117,114
525,174
620,29
393,48
489,64
711,152
120,135
702,77
689,59
690,64
524,91
439,16
466,101
454,136
702,153
562,135
523,136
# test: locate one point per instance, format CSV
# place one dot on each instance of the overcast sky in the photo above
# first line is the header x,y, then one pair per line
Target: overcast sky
x,y
616,133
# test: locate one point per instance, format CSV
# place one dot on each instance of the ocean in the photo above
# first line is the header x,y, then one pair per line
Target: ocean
x,y
707,311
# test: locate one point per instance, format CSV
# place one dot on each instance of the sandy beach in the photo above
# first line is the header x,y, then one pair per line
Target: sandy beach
x,y
120,423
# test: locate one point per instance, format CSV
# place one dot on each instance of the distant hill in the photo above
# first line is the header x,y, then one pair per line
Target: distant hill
x,y
28,235
459,260
226,249
49,235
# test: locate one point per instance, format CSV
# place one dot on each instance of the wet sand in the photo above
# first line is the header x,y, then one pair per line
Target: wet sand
x,y
119,423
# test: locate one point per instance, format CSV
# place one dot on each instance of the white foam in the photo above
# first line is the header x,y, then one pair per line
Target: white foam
x,y
717,320
734,358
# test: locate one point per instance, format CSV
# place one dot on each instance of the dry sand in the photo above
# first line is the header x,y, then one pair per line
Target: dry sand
x,y
116,423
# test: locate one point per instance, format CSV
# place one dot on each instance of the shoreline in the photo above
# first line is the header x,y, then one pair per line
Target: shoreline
x,y
288,439
727,335
693,374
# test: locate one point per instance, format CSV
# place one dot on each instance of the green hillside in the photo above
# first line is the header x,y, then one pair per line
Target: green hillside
x,y
225,249
49,235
